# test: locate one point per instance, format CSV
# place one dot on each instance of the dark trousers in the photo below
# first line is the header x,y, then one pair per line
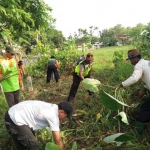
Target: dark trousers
x,y
144,111
12,97
23,136
52,69
74,86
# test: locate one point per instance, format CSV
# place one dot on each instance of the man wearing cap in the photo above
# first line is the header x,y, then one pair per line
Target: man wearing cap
x,y
141,70
9,77
24,118
82,70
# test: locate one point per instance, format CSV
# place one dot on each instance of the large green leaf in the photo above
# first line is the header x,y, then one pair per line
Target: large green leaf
x,y
52,146
125,137
74,146
112,138
119,137
110,102
91,84
122,118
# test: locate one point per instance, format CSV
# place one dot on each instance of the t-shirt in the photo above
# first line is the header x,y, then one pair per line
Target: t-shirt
x,y
36,114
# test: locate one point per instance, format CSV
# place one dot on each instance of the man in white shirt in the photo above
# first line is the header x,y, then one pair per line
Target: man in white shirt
x,y
141,70
24,118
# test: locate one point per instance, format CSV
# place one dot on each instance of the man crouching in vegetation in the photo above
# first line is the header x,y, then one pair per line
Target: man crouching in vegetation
x,y
24,118
82,70
141,70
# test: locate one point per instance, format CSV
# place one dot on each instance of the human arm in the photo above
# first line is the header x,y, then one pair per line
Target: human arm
x,y
118,86
1,77
81,72
81,75
57,64
137,74
58,139
22,67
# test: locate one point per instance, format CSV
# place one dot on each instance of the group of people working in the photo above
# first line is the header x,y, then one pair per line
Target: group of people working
x,y
23,118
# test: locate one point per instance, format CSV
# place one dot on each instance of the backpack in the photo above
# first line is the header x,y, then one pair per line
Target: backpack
x,y
81,58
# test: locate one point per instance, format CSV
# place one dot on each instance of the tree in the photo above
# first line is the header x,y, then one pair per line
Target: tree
x,y
18,17
108,37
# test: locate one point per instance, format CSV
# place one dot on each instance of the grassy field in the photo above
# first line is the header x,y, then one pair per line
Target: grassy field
x,y
104,56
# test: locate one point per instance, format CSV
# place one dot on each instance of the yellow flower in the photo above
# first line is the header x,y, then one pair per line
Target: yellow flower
x,y
98,116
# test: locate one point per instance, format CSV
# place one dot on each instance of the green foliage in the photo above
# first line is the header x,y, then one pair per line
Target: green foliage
x,y
119,137
4,137
20,19
67,59
91,84
89,46
122,117
74,146
108,37
143,43
122,68
50,146
37,69
110,102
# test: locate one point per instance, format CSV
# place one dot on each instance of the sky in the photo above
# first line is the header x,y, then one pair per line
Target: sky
x,y
71,15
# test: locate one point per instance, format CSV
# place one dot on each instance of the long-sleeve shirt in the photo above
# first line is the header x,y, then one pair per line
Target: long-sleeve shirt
x,y
141,70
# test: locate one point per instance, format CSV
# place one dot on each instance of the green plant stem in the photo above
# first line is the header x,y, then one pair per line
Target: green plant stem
x,y
109,86
118,123
6,77
2,90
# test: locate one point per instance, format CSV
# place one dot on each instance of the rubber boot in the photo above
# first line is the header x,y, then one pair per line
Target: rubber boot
x,y
139,128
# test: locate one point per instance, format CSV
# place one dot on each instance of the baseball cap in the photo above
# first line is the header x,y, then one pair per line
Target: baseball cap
x,y
67,107
10,50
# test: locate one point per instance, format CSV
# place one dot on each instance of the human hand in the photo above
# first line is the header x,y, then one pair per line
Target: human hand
x,y
1,78
118,86
141,93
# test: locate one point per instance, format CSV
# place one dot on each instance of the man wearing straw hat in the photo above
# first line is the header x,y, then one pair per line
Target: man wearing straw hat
x,y
141,70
